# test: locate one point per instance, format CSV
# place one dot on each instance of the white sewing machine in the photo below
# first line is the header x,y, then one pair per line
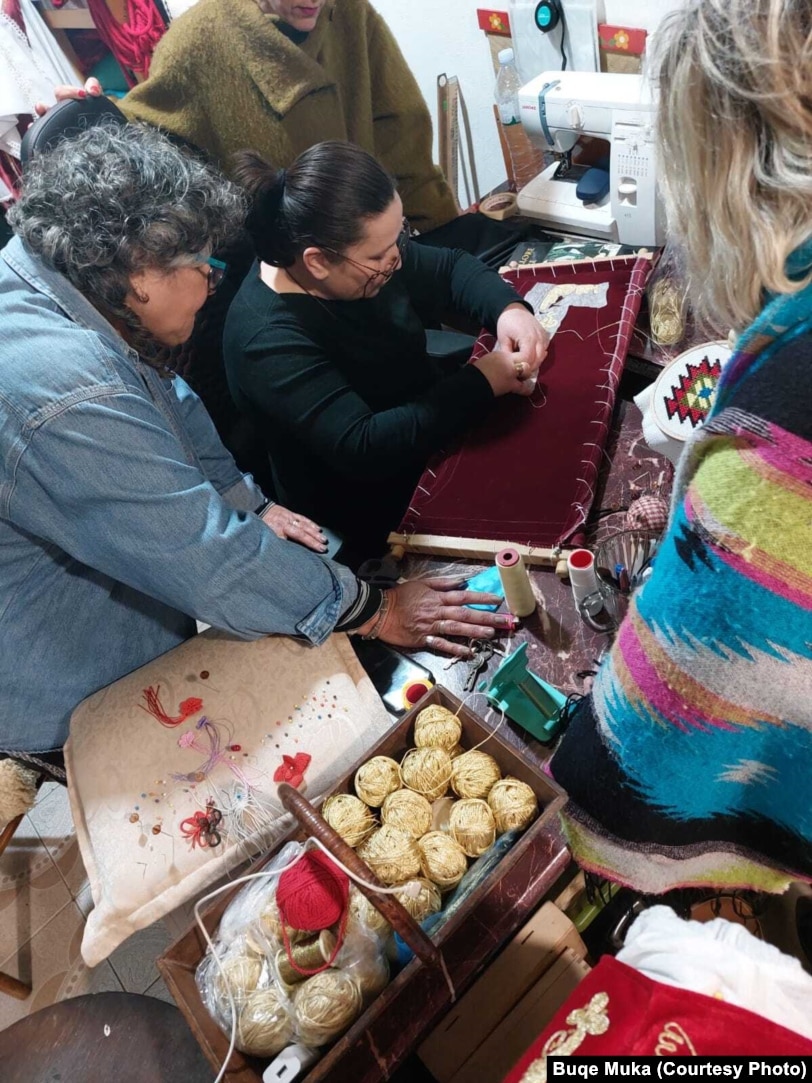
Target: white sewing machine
x,y
557,108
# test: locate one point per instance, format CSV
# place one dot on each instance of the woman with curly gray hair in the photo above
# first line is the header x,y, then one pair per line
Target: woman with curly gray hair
x,y
122,516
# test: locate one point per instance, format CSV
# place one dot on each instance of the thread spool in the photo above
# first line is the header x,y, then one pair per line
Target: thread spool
x,y
519,596
271,925
584,580
308,955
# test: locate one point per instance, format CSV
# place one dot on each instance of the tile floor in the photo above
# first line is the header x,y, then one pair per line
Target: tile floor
x,y
44,901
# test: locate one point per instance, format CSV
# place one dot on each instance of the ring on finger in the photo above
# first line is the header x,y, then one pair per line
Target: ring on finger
x,y
521,369
429,641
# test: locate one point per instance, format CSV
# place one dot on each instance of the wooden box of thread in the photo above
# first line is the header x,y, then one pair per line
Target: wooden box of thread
x,y
468,820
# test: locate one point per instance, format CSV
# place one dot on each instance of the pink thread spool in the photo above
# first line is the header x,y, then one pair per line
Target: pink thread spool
x,y
521,601
584,581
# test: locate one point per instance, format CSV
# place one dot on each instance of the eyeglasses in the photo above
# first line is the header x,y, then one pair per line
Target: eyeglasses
x,y
216,272
401,243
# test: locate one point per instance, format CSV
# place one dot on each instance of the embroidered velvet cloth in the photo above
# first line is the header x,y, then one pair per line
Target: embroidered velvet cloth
x,y
618,1011
527,473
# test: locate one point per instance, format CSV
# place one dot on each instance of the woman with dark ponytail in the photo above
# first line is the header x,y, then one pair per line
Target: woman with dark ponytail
x,y
325,343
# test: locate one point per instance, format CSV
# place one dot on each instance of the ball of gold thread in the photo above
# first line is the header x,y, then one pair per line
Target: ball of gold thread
x,y
442,859
391,854
474,773
437,727
349,817
427,771
324,1006
420,903
375,779
240,974
457,750
472,825
513,803
407,810
363,913
666,307
264,1026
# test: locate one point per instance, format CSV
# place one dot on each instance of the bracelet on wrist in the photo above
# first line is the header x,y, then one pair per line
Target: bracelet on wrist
x,y
377,627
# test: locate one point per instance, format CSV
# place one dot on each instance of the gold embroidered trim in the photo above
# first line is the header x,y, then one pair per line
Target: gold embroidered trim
x,y
672,1036
585,1021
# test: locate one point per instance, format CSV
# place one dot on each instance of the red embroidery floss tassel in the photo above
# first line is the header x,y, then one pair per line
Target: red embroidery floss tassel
x,y
152,699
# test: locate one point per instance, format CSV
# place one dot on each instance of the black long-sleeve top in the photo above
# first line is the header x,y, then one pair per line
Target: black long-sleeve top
x,y
347,400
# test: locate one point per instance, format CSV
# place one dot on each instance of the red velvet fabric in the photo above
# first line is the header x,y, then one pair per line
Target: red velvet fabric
x,y
527,474
648,1018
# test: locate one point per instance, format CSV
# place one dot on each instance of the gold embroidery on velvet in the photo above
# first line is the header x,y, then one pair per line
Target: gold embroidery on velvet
x,y
585,1021
672,1036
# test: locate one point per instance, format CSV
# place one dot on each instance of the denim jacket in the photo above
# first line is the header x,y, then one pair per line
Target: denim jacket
x,y
122,516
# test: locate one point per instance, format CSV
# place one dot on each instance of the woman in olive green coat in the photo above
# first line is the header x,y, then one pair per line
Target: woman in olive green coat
x,y
278,76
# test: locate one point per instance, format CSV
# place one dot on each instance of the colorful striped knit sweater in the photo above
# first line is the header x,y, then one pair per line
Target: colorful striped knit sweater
x,y
689,764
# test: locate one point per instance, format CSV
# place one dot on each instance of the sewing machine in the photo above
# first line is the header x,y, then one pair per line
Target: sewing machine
x,y
618,204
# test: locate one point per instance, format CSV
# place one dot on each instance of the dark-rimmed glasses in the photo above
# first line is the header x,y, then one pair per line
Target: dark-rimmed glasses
x,y
216,272
401,243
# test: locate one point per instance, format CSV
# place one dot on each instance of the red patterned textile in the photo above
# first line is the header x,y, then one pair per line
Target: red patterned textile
x,y
616,1010
527,474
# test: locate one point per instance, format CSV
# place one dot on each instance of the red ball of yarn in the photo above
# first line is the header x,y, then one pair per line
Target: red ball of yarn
x,y
313,894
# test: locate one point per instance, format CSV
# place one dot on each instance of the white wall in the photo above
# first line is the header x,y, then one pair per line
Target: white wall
x,y
445,37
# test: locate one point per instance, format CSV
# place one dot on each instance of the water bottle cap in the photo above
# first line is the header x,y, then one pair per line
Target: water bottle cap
x,y
505,56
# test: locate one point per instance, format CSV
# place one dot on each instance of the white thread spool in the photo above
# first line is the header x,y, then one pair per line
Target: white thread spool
x,y
521,600
584,580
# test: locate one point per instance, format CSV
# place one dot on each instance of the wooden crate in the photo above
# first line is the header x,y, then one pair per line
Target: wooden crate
x,y
414,1001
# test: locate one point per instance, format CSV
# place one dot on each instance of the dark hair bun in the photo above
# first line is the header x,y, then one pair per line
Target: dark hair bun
x,y
265,187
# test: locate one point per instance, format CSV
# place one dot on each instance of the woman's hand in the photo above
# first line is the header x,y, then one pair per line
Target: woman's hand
x,y
424,613
287,524
519,333
91,89
506,374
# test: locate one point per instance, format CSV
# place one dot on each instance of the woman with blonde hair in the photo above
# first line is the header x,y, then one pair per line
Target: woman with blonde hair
x,y
688,764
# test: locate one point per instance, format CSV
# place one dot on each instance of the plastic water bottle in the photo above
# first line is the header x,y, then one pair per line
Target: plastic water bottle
x,y
526,161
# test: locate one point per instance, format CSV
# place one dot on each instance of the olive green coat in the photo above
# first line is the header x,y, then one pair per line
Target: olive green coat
x,y
225,78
